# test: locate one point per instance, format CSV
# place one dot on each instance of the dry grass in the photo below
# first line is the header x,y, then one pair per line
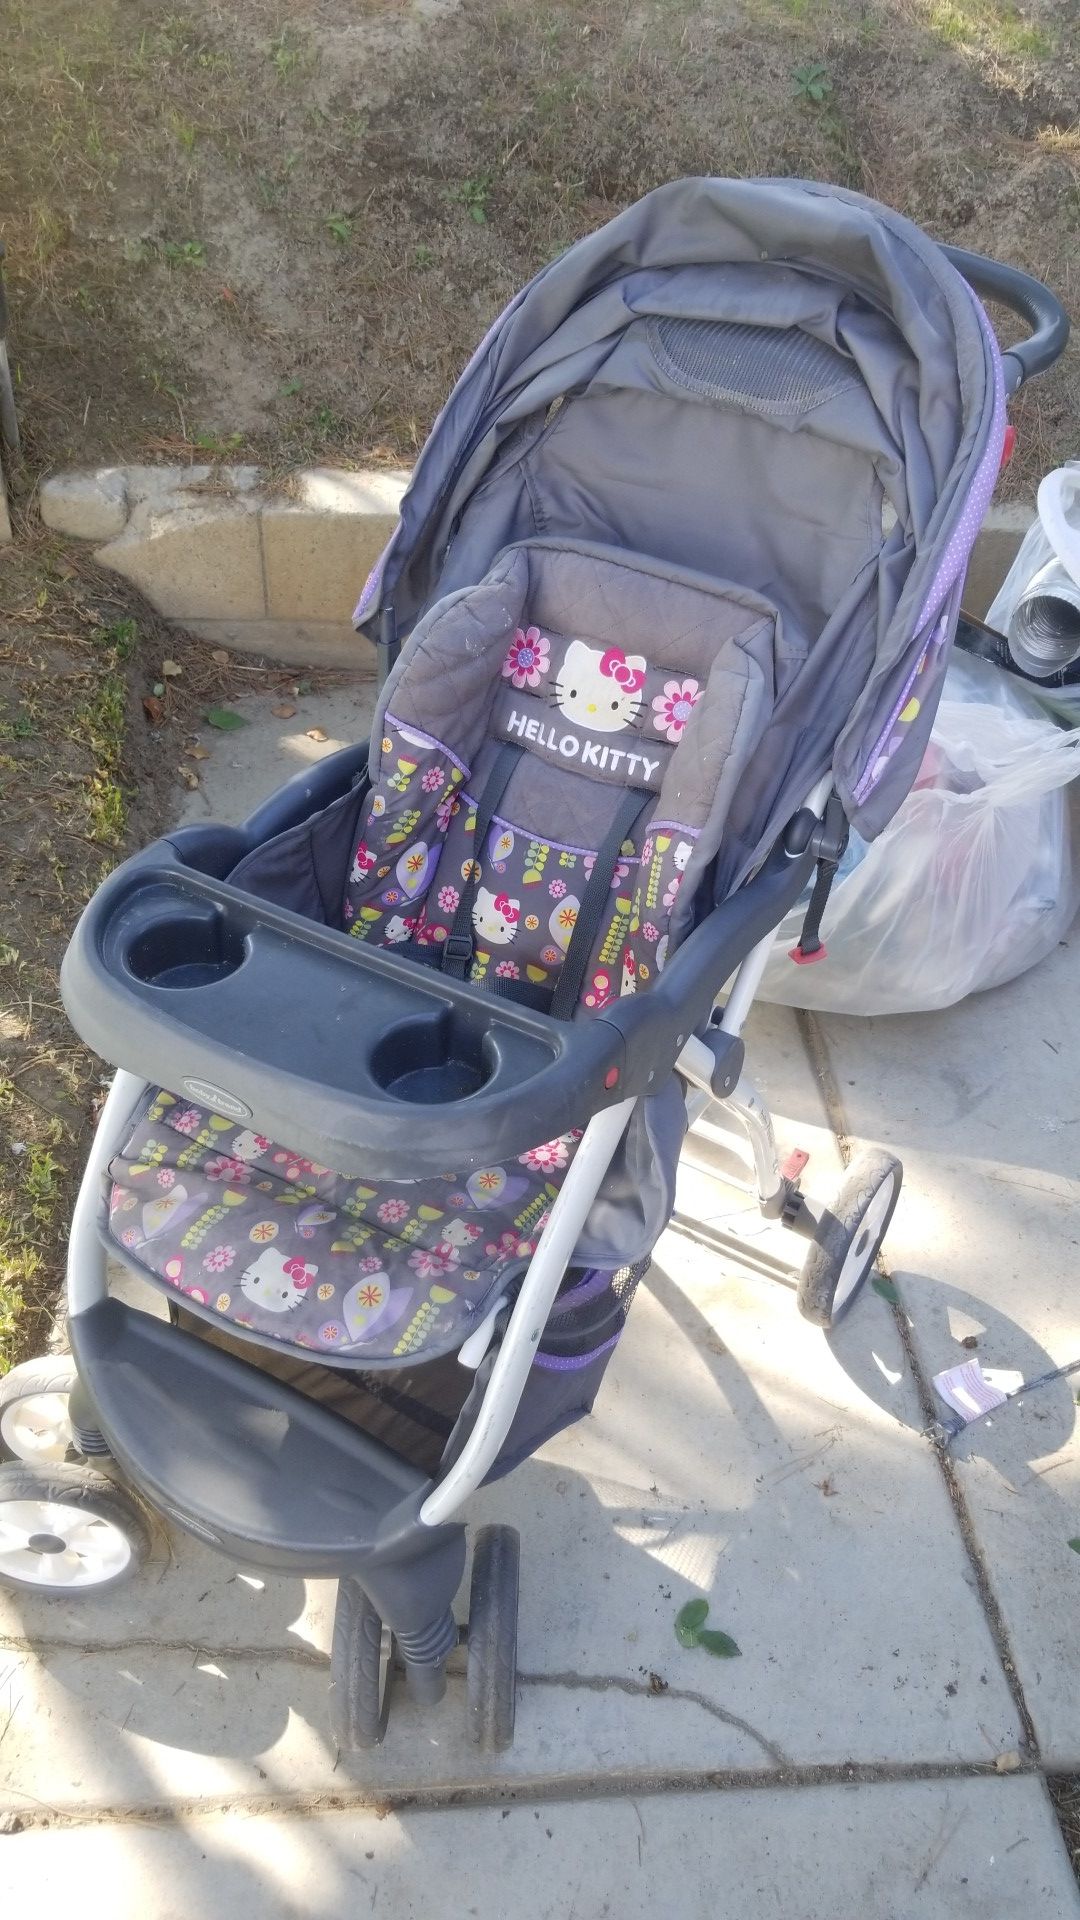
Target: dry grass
x,y
295,254
84,779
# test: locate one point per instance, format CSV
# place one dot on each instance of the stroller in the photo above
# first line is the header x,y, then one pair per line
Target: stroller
x,y
668,606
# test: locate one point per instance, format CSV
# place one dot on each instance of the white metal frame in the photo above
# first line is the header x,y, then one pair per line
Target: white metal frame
x,y
87,1276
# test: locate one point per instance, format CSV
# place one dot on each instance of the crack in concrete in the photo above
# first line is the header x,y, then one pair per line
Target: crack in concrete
x,y
817,1053
621,1683
312,1657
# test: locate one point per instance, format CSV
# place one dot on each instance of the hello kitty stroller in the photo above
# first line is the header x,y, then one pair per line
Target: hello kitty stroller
x,y
669,604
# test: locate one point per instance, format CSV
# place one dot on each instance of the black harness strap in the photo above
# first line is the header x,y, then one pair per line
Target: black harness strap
x,y
456,952
593,903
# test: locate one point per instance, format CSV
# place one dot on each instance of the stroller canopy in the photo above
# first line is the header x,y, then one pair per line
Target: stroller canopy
x,y
776,383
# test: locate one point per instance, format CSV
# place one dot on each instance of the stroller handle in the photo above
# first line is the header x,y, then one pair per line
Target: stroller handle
x,y
1023,295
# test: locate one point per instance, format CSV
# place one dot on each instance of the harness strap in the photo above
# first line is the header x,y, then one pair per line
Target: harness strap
x,y
456,952
594,902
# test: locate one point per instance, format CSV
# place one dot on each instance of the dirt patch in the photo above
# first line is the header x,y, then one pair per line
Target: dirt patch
x,y
99,707
280,229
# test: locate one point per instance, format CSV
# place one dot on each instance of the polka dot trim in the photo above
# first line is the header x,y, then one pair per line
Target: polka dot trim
x,y
952,567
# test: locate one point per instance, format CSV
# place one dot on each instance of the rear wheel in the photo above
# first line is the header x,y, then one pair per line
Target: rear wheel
x,y
848,1238
35,1424
67,1529
493,1629
361,1668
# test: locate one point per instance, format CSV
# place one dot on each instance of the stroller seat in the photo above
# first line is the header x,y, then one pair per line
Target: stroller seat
x,y
547,753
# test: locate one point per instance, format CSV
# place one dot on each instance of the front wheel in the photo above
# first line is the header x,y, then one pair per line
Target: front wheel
x,y
361,1669
493,1629
67,1529
35,1424
848,1237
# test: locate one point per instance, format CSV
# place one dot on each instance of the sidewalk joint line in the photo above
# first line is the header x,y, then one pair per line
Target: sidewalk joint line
x,y
817,1052
480,1794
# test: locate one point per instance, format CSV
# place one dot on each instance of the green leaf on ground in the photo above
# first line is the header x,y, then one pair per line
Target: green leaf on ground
x,y
886,1289
688,1620
721,1644
225,719
1075,1545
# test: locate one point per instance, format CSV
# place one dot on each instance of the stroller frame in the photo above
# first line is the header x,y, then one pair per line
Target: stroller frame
x,y
174,1416
401,1578
87,1278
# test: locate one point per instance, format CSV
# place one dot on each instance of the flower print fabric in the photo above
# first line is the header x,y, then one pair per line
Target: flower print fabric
x,y
672,708
527,659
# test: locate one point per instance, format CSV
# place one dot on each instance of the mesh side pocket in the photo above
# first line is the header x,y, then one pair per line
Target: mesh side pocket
x,y
578,1341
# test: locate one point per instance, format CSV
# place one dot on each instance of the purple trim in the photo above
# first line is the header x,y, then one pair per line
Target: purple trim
x,y
953,563
594,1283
874,768
373,582
553,1363
586,853
958,551
428,740
527,833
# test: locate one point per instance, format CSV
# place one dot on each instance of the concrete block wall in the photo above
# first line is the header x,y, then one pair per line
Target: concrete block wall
x,y
278,571
275,571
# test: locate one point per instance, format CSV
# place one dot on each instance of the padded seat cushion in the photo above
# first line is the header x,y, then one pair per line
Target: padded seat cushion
x,y
607,672
290,1252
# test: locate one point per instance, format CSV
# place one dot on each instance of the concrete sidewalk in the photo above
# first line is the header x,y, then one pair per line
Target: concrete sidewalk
x,y
907,1627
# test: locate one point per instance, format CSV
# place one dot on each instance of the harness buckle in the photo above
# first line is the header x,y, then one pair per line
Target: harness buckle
x,y
457,948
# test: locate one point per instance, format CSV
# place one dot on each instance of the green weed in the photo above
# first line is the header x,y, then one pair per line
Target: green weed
x,y
812,82
473,196
185,253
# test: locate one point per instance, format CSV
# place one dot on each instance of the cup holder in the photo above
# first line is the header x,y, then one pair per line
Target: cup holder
x,y
194,948
431,1061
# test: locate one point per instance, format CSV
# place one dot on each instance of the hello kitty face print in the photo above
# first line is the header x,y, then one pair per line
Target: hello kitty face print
x,y
275,1283
600,689
495,917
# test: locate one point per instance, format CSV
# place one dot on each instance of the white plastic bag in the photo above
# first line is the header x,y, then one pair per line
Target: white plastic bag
x,y
1042,591
971,882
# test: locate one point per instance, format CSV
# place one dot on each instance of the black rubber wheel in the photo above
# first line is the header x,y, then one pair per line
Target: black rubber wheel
x,y
33,1423
67,1529
493,1630
848,1237
361,1669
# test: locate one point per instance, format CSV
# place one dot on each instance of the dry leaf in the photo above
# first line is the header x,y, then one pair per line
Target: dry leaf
x,y
170,668
197,753
317,733
219,654
153,709
189,776
283,712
